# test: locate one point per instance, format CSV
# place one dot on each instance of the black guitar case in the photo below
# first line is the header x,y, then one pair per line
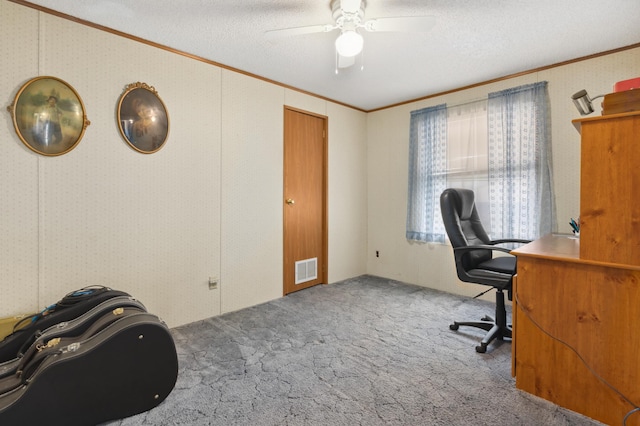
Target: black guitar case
x,y
117,369
82,327
69,307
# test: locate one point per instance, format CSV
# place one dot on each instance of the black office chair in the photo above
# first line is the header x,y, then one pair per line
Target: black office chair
x,y
473,253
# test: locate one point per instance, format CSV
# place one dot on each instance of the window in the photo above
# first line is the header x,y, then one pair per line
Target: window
x,y
467,161
500,148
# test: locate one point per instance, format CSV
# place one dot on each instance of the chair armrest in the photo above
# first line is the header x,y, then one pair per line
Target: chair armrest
x,y
510,240
481,247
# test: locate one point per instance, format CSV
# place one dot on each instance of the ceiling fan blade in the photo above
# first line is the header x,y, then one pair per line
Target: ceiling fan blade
x,y
345,61
407,24
295,31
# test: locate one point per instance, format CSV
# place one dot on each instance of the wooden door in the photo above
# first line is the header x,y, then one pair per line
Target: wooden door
x,y
304,201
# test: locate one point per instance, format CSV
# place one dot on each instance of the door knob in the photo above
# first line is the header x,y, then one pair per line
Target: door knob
x,y
290,201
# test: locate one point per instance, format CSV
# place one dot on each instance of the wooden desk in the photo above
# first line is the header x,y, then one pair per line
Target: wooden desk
x,y
575,320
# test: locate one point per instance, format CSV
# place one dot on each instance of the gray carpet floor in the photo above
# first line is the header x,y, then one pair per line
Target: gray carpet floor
x,y
365,351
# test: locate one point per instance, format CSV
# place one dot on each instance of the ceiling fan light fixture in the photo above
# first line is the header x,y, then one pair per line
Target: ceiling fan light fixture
x,y
349,43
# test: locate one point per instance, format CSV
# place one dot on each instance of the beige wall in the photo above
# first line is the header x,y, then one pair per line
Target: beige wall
x,y
431,265
208,204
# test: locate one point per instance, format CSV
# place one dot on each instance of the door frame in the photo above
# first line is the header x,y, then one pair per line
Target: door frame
x,y
323,269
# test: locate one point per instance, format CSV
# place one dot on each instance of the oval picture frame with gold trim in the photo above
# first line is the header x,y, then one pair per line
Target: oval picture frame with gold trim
x,y
142,118
49,116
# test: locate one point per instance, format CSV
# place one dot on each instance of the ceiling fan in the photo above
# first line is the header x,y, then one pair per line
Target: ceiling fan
x,y
348,17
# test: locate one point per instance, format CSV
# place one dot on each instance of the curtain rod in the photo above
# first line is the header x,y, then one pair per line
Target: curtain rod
x,y
447,106
468,102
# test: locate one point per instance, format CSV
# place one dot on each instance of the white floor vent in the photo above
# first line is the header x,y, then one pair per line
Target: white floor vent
x,y
306,270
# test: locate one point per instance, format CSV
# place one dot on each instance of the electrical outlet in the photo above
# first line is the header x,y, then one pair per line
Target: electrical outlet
x,y
213,283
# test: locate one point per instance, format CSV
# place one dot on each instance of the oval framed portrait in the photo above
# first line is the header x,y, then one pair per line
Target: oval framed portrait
x,y
142,118
48,116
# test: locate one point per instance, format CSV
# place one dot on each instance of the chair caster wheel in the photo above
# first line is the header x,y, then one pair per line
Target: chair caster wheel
x,y
454,327
481,349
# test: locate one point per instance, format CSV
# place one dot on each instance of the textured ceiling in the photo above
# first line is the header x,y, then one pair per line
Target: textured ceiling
x,y
473,40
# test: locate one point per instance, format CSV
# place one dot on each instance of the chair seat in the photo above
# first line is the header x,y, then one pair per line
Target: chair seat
x,y
498,280
504,264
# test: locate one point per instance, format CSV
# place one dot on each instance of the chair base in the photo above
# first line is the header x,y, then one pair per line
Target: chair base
x,y
498,329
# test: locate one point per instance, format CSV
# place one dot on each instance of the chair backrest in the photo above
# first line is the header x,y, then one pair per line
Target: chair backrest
x,y
463,226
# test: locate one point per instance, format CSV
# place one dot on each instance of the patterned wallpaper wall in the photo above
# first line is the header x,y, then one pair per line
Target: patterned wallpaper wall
x,y
432,265
208,204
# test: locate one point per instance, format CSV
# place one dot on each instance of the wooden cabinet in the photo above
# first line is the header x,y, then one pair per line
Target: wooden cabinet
x,y
577,301
576,340
610,188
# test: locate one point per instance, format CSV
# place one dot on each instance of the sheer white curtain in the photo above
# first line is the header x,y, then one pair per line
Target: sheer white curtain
x,y
500,148
448,148
520,167
467,164
427,174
